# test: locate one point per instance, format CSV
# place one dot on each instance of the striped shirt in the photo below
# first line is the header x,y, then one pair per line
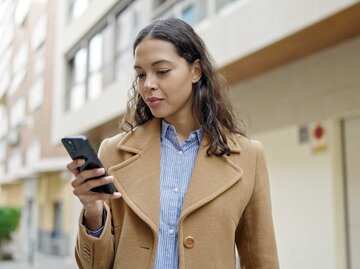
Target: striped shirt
x,y
176,164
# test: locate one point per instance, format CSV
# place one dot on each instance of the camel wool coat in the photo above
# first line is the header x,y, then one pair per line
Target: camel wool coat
x,y
227,203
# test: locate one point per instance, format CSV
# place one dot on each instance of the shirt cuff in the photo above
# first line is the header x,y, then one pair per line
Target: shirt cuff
x,y
96,233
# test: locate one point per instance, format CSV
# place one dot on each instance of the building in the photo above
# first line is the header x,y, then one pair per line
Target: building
x,y
293,72
31,167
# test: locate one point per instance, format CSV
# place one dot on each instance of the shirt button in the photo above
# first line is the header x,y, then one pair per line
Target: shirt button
x,y
171,231
176,190
180,152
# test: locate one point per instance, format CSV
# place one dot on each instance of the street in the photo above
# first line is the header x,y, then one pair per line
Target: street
x,y
41,262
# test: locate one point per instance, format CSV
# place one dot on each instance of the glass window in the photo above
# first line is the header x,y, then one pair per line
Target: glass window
x,y
15,161
2,171
126,29
33,152
5,80
80,62
19,67
39,33
22,10
39,63
95,66
221,3
78,7
188,14
194,12
3,121
17,113
78,70
36,94
3,150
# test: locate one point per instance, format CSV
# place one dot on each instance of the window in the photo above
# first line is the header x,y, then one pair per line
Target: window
x,y
33,152
15,161
127,24
77,8
3,122
19,67
17,113
22,10
5,72
78,69
36,93
188,14
219,4
2,171
6,29
95,65
39,33
58,219
190,11
3,150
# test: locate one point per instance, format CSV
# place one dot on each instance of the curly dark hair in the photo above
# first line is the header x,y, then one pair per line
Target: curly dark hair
x,y
211,105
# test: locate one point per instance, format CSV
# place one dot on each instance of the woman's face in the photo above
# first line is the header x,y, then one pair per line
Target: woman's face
x,y
165,79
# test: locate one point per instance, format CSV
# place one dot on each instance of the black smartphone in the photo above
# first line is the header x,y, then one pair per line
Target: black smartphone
x,y
79,147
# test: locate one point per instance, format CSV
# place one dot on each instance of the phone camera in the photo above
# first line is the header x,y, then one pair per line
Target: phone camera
x,y
72,147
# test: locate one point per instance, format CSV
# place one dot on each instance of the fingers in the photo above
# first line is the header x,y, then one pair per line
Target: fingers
x,y
74,165
83,176
86,180
84,186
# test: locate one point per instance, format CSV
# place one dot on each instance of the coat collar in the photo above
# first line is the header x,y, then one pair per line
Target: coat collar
x,y
137,140
138,178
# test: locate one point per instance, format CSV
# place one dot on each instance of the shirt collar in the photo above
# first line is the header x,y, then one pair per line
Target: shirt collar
x,y
168,129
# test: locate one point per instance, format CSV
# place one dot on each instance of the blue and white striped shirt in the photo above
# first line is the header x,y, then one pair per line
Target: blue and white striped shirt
x,y
176,162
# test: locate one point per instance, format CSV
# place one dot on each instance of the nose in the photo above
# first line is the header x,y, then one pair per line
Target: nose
x,y
150,82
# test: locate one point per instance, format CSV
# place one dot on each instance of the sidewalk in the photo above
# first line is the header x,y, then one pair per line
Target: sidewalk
x,y
41,262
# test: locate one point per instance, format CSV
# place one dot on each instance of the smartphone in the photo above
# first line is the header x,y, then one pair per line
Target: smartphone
x,y
79,147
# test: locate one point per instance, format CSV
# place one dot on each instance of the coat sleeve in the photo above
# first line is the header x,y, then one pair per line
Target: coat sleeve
x,y
255,237
92,252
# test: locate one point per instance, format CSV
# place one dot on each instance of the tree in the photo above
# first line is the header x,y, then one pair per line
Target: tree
x,y
9,219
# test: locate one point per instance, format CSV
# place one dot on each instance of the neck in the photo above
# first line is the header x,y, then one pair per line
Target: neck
x,y
184,127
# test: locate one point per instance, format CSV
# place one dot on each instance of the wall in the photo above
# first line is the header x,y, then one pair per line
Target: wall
x,y
322,85
10,193
303,200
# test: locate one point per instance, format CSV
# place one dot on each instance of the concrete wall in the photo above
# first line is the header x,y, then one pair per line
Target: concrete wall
x,y
323,85
310,232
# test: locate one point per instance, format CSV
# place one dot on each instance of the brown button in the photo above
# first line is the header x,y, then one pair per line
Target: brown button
x,y
189,242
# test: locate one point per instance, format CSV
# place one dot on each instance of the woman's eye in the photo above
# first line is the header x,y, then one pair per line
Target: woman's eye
x,y
140,76
164,71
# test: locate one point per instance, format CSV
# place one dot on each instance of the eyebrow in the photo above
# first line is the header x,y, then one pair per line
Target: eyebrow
x,y
154,63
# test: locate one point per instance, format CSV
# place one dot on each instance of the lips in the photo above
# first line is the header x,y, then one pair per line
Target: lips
x,y
153,101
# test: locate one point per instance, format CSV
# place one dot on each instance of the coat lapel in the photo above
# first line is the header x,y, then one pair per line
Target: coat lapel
x,y
138,178
211,176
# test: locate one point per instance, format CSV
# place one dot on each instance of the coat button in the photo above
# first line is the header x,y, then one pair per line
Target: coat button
x,y
189,242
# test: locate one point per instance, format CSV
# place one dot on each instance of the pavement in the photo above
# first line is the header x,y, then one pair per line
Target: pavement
x,y
41,262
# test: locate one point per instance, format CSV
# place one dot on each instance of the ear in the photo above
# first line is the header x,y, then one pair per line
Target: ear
x,y
196,71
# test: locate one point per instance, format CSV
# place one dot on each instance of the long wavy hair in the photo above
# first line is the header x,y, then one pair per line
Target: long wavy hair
x,y
211,105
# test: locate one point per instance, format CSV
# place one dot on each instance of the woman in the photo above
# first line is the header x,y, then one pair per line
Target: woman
x,y
191,186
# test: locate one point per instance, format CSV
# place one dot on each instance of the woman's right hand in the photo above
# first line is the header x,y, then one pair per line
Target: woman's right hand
x,y
91,201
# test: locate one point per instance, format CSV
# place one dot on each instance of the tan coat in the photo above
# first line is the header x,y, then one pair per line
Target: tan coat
x,y
227,203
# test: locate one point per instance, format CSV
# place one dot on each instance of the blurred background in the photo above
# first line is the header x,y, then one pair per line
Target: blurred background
x,y
294,73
